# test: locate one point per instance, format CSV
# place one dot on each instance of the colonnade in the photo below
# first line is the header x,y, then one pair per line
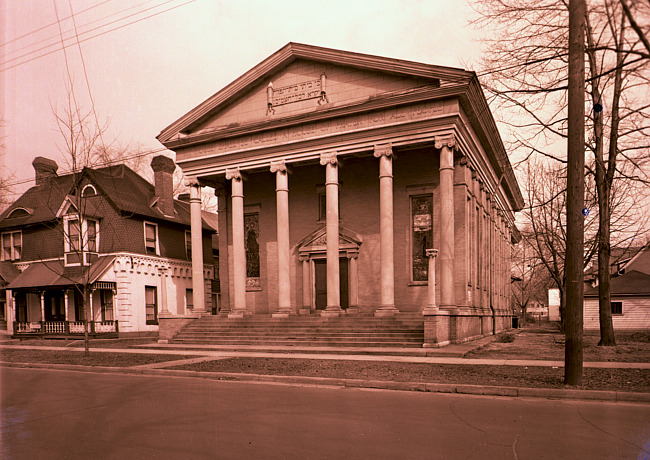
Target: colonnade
x,y
384,153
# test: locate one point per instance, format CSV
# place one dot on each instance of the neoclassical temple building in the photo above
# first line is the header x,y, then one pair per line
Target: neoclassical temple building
x,y
352,184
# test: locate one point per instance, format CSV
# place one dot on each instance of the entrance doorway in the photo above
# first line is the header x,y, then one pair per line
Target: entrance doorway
x,y
54,306
320,281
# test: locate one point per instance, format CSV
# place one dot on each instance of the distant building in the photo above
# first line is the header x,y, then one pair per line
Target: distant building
x,y
554,305
630,296
341,176
129,243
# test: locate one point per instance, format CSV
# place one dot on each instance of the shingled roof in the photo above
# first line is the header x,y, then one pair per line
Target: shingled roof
x,y
124,189
632,283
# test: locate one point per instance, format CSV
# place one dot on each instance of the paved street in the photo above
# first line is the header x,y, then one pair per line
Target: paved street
x,y
61,414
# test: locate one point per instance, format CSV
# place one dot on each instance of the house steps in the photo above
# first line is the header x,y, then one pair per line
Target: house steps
x,y
401,331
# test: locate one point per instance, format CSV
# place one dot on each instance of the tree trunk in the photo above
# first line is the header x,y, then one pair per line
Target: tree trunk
x,y
604,252
86,323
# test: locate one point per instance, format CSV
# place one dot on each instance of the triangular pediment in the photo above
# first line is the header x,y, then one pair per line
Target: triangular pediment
x,y
316,241
307,79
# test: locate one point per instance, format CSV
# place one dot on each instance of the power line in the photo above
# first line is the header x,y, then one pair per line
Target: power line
x,y
56,37
49,25
96,35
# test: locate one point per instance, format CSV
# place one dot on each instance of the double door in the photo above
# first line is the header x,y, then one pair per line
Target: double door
x,y
320,282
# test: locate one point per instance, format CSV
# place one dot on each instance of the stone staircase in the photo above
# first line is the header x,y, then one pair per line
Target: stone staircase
x,y
402,331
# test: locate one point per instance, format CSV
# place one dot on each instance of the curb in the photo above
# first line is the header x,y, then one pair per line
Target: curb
x,y
481,390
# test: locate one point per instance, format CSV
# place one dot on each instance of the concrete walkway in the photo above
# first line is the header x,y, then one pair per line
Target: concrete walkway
x,y
272,352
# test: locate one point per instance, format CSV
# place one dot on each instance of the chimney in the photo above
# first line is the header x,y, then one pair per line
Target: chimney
x,y
163,168
44,169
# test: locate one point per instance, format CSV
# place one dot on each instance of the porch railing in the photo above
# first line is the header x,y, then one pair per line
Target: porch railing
x,y
65,328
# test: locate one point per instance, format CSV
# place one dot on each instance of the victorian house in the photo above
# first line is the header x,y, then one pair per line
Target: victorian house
x,y
102,244
351,184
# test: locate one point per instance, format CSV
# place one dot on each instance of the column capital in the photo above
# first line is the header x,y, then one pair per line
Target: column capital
x,y
192,181
446,140
279,165
383,149
328,158
233,173
431,253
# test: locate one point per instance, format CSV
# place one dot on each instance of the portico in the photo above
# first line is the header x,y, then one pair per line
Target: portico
x,y
338,181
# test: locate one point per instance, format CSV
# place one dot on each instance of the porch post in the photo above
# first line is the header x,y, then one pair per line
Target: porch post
x,y
196,231
282,223
354,281
238,307
445,145
43,306
387,286
66,302
330,162
162,271
431,307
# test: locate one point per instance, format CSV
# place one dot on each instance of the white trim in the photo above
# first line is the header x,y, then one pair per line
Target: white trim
x,y
13,245
88,186
144,229
20,208
83,250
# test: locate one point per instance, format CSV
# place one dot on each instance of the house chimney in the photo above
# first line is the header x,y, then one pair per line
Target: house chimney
x,y
44,169
163,168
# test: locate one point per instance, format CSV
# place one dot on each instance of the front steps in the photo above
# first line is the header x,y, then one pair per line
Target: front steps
x,y
350,331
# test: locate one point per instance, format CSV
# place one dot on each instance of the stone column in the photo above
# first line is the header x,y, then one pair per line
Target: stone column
x,y
446,145
431,307
332,238
306,285
238,307
196,230
284,254
162,271
387,285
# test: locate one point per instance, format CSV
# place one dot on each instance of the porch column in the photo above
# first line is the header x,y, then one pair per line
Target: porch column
x,y
431,307
284,255
387,286
196,232
238,306
354,281
306,285
446,145
92,306
330,162
42,306
66,302
162,271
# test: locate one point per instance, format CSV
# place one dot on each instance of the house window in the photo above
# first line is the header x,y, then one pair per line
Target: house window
x,y
322,204
89,190
81,239
151,238
421,235
251,241
617,308
12,245
188,244
106,304
151,304
189,299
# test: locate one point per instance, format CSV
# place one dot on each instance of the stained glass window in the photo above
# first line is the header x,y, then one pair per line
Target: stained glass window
x,y
422,234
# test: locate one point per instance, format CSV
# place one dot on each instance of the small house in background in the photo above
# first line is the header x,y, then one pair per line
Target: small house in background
x,y
107,234
630,296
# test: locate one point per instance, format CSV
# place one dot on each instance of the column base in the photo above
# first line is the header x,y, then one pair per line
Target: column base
x,y
331,312
386,310
238,314
304,311
282,314
430,310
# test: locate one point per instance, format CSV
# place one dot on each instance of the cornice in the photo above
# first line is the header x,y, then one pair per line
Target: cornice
x,y
367,105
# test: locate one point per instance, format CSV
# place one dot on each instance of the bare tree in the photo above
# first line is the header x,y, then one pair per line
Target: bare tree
x,y
531,279
526,76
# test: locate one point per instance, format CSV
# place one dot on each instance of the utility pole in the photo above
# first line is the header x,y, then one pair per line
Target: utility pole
x,y
574,261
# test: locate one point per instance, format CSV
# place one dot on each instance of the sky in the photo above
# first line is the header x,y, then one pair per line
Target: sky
x,y
147,63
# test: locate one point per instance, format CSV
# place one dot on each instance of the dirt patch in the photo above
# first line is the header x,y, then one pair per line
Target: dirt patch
x,y
96,358
637,380
548,344
79,343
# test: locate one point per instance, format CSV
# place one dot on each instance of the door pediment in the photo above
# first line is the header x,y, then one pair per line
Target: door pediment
x,y
315,242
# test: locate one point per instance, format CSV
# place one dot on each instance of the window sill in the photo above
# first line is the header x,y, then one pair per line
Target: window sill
x,y
418,283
